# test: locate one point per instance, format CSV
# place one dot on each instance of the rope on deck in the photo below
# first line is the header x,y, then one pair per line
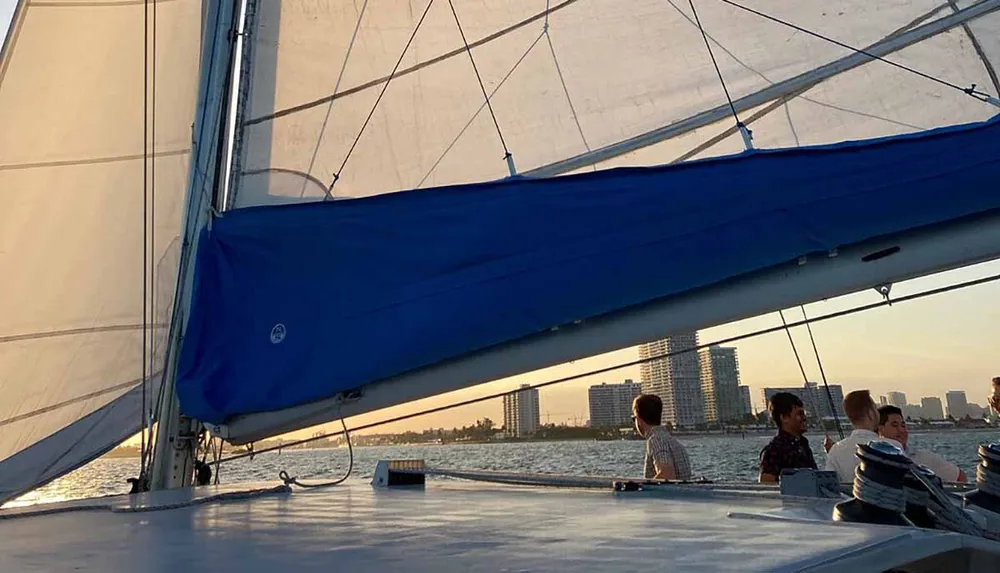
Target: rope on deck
x,y
224,496
590,482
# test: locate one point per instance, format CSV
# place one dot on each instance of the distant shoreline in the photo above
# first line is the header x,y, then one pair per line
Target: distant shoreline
x,y
133,452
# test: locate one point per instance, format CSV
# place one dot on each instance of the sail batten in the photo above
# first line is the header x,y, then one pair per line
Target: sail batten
x,y
296,303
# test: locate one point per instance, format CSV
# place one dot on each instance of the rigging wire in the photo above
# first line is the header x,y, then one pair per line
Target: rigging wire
x,y
468,50
385,86
971,91
805,378
336,88
410,69
619,366
145,228
468,124
192,211
822,373
562,81
148,413
715,63
350,466
744,131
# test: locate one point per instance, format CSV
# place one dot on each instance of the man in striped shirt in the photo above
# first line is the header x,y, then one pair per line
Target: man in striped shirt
x,y
666,458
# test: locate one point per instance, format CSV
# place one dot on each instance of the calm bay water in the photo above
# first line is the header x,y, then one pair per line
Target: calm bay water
x,y
722,458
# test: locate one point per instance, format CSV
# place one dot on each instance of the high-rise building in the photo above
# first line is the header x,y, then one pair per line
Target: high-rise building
x,y
720,384
958,406
913,412
745,400
976,411
611,404
521,415
932,408
815,399
897,399
675,378
882,401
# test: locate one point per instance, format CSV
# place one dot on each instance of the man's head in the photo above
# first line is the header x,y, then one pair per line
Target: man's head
x,y
994,398
787,413
647,410
892,425
861,410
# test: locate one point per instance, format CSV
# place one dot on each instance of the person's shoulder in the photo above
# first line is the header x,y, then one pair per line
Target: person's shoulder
x,y
835,455
839,446
944,469
769,448
925,456
775,439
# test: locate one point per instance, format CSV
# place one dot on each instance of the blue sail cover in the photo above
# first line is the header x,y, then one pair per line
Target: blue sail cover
x,y
295,303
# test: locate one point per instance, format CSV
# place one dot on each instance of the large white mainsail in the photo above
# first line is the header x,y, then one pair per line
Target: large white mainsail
x,y
606,83
571,76
71,222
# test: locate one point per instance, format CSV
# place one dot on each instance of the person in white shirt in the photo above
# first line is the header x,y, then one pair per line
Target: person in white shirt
x,y
861,410
892,426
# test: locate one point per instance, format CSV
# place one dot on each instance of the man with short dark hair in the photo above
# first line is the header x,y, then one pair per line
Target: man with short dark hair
x,y
666,458
842,457
788,449
892,426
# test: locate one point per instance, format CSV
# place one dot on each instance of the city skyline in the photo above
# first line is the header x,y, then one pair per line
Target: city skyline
x,y
925,348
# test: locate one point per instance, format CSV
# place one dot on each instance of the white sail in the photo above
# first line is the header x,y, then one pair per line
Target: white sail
x,y
73,446
71,215
571,76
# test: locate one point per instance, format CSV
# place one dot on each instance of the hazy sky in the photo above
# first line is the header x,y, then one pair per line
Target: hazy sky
x,y
6,11
923,348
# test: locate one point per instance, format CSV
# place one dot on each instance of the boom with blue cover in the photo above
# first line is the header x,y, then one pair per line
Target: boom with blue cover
x,y
295,303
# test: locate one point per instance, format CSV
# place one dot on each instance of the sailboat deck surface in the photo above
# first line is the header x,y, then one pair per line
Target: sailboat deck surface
x,y
446,526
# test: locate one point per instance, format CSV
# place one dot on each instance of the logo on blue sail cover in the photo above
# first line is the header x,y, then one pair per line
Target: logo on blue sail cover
x,y
278,333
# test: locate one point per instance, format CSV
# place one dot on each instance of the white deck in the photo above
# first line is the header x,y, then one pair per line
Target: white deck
x,y
452,526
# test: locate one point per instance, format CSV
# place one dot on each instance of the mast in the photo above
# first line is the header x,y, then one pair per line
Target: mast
x,y
172,464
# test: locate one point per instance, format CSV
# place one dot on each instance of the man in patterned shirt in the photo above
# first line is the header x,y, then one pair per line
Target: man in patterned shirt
x,y
666,458
789,449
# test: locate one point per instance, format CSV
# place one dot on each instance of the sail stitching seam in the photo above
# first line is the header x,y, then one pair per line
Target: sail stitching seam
x,y
414,68
70,402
